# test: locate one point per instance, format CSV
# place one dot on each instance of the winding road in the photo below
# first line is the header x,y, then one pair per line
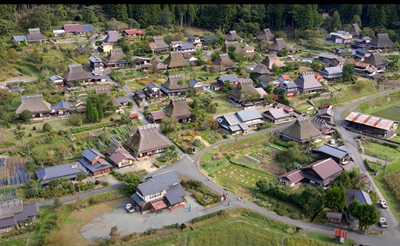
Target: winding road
x,y
189,167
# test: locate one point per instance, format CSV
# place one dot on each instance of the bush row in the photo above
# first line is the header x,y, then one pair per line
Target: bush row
x,y
281,143
172,226
12,233
207,216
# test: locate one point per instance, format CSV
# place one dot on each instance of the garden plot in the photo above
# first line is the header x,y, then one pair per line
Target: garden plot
x,y
240,175
249,159
121,133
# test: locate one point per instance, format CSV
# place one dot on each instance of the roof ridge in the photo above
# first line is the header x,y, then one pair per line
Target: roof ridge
x,y
321,162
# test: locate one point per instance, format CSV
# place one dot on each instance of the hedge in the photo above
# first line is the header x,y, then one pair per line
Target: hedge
x,y
207,216
281,143
172,226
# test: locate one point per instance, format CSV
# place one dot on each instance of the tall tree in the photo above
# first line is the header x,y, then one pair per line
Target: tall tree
x,y
131,180
89,111
348,72
99,111
335,198
336,23
356,19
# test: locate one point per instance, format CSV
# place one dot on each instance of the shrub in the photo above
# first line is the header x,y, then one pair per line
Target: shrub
x,y
172,226
207,216
105,183
295,216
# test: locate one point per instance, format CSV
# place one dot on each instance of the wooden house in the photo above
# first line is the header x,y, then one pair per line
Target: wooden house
x,y
132,32
341,154
75,72
331,60
122,158
80,108
68,170
279,114
301,131
94,162
157,65
35,104
73,29
236,44
381,41
278,45
266,34
261,69
34,35
354,30
331,73
60,109
115,58
177,108
308,83
240,94
195,41
232,36
57,80
272,59
14,212
377,61
96,64
224,63
147,141
158,45
176,60
240,122
172,87
290,88
368,124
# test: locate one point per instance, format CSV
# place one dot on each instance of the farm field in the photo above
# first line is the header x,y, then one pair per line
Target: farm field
x,y
380,151
225,107
391,113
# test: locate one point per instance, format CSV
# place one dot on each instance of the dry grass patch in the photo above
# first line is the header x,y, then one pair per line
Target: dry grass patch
x,y
74,223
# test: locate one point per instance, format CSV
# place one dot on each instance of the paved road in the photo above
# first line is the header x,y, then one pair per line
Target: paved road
x,y
348,138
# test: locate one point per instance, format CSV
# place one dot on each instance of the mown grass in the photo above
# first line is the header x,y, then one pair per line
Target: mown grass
x,y
225,107
380,151
389,113
379,103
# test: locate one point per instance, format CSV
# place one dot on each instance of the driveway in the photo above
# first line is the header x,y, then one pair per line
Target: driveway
x,y
128,223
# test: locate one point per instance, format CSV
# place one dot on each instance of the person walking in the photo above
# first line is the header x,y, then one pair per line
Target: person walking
x,y
229,202
208,178
190,207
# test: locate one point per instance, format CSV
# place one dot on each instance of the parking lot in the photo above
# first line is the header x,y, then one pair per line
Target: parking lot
x,y
128,223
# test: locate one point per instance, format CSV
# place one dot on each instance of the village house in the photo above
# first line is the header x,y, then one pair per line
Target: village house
x,y
115,58
158,45
60,109
261,69
88,29
326,112
210,38
199,85
266,34
322,125
96,64
105,89
159,192
68,170
174,44
240,122
265,79
191,59
151,91
301,131
381,41
248,50
177,108
132,32
368,124
80,108
290,88
157,66
331,74
108,43
321,172
34,35
123,101
363,68
171,87
122,158
18,38
139,61
232,36
94,162
284,78
334,217
57,80
176,60
224,63
59,33
361,43
186,48
308,83
236,44
272,59
35,104
73,29
341,154
147,141
195,41
362,197
221,80
331,60
354,30
361,53
378,62
13,212
278,45
246,94
340,37
279,114
75,72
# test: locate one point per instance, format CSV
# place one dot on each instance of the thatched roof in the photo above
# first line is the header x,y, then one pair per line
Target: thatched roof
x,y
172,82
75,71
308,81
381,40
376,60
266,34
34,34
115,146
175,59
354,29
178,108
157,64
159,43
33,103
147,138
261,69
277,45
112,37
238,49
232,35
302,129
114,56
223,61
271,59
237,93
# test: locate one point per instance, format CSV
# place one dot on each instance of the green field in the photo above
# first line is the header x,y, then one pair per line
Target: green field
x,y
225,107
380,151
240,175
390,113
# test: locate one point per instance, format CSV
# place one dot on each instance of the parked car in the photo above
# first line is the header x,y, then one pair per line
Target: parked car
x,y
382,222
384,203
130,208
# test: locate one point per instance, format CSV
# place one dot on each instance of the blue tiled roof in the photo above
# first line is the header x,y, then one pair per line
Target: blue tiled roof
x,y
158,183
174,194
88,28
19,38
59,171
90,154
251,114
332,151
231,78
98,166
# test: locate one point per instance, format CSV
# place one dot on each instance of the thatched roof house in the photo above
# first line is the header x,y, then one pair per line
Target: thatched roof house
x,y
278,45
272,59
308,82
376,60
232,35
112,37
35,104
223,62
266,34
158,45
115,58
238,49
75,72
178,108
240,92
354,30
114,147
147,141
157,64
300,131
175,60
381,40
34,35
171,86
261,69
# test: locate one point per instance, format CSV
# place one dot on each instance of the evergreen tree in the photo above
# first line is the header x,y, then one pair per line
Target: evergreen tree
x,y
336,24
95,114
99,111
89,111
356,19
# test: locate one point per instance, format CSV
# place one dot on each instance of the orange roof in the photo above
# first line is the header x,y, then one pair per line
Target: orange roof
x,y
133,31
134,115
158,205
285,77
370,120
340,233
189,100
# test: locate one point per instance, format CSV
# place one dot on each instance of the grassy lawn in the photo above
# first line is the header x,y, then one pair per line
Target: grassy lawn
x,y
388,195
135,86
379,103
22,241
388,113
225,107
380,151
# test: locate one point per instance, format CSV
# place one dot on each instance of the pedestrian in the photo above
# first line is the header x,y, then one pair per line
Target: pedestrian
x,y
229,202
208,178
222,199
226,195
190,207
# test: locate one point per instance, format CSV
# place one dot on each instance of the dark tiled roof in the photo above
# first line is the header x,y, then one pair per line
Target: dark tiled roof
x,y
69,170
61,105
159,183
137,199
332,151
90,154
98,166
174,194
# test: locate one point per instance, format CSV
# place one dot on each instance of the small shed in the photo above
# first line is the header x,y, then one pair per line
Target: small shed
x,y
340,235
334,217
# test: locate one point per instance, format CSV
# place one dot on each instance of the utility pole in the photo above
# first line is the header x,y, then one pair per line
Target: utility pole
x,y
384,170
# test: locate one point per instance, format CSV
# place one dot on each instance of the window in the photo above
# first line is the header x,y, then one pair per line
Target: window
x,y
156,194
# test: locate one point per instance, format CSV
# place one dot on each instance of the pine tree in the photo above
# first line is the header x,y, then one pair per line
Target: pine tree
x,y
336,24
99,111
89,111
95,114
356,19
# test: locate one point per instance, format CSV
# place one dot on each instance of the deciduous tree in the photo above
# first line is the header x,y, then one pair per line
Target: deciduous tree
x,y
131,180
169,124
335,198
